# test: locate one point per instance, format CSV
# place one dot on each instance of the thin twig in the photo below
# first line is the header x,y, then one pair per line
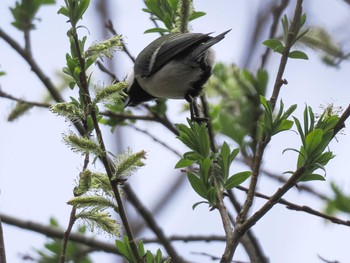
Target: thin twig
x,y
249,241
147,216
72,218
66,235
302,208
253,182
210,127
126,116
276,12
260,20
341,122
105,70
163,119
157,140
55,232
305,188
292,34
226,222
110,27
32,103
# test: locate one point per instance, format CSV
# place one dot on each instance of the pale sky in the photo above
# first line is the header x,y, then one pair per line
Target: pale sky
x,y
37,171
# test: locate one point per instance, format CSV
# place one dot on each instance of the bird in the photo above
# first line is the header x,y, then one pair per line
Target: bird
x,y
174,66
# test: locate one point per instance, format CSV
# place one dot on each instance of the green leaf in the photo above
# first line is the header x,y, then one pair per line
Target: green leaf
x,y
198,203
274,44
63,11
168,22
173,4
283,126
82,7
297,54
122,249
237,179
225,156
204,168
183,163
233,154
197,185
312,177
313,140
195,15
300,130
211,195
324,158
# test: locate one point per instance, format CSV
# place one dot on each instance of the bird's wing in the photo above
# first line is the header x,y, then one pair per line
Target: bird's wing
x,y
175,45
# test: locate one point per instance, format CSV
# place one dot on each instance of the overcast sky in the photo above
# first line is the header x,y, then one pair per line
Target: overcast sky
x,y
37,171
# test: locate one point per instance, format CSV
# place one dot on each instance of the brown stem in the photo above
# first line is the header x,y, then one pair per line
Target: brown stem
x,y
66,235
301,208
210,127
32,103
253,182
107,165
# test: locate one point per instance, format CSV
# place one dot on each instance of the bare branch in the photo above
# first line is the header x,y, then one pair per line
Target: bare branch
x,y
32,103
34,66
301,208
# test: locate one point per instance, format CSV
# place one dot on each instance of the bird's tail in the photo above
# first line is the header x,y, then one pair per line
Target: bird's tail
x,y
205,46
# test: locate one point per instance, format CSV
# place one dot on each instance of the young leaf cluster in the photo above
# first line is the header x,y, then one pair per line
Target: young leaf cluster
x,y
212,174
167,12
271,124
239,110
279,46
339,203
124,249
25,11
315,137
51,251
74,10
19,110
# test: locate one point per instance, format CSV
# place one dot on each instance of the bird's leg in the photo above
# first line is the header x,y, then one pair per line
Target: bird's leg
x,y
194,109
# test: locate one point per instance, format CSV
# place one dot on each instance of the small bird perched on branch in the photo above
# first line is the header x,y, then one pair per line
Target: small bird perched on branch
x,y
174,66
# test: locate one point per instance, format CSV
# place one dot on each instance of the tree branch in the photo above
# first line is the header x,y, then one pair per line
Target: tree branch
x,y
301,208
34,66
32,103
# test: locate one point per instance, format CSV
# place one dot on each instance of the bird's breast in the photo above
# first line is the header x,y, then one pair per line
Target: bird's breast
x,y
172,81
